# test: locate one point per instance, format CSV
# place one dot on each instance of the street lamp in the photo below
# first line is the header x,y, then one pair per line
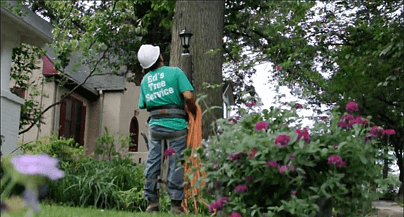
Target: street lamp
x,y
185,36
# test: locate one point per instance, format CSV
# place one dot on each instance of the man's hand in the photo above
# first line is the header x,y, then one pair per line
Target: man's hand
x,y
190,100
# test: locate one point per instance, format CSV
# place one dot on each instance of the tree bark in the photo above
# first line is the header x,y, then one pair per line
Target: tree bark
x,y
205,20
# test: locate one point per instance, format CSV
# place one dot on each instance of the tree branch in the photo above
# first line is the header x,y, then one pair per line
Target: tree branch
x,y
65,96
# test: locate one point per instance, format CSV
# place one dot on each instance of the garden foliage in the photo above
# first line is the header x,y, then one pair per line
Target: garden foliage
x,y
110,184
265,164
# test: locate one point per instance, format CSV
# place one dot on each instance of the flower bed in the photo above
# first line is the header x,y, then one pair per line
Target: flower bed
x,y
265,164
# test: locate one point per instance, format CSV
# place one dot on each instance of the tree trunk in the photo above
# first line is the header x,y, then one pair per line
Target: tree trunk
x,y
205,20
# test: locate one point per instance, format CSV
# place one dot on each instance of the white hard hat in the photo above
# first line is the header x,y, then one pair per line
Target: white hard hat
x,y
148,55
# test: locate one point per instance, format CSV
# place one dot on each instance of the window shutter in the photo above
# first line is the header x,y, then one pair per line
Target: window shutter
x,y
82,124
134,130
62,119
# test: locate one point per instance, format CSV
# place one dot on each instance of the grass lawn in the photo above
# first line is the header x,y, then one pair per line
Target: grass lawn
x,y
61,211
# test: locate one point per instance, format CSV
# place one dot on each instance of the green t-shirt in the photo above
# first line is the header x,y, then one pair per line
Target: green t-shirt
x,y
164,86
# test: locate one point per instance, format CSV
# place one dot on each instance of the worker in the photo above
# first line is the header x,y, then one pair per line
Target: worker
x,y
163,91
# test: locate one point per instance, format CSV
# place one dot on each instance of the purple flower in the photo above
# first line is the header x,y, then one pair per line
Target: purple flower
x,y
272,163
290,168
235,214
336,160
262,125
377,131
304,134
351,107
37,165
293,192
169,152
253,153
390,132
240,188
298,106
291,156
234,157
324,117
282,140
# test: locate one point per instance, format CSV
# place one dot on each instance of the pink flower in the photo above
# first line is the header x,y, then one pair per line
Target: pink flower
x,y
282,140
390,132
169,152
347,121
262,125
272,163
250,104
351,107
278,68
304,134
249,179
234,157
336,160
293,192
235,214
361,121
218,204
367,139
377,131
291,168
233,120
343,124
282,169
253,153
324,117
291,157
240,188
298,106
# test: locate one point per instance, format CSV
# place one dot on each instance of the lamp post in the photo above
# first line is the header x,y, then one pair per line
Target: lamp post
x,y
186,57
185,36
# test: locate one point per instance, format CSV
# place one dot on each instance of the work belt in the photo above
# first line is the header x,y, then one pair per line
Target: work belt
x,y
168,111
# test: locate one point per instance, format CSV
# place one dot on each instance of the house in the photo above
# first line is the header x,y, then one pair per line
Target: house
x,y
15,29
103,101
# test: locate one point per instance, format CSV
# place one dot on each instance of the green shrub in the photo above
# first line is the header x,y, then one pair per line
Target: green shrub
x,y
66,150
265,164
102,184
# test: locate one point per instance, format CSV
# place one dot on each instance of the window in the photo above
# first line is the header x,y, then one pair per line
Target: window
x,y
134,131
18,91
72,119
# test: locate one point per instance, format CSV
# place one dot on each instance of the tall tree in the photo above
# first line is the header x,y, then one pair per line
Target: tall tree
x,y
205,20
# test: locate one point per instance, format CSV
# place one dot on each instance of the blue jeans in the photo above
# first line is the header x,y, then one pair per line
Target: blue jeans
x,y
175,181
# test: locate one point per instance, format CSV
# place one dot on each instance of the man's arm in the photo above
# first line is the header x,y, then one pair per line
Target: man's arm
x,y
190,101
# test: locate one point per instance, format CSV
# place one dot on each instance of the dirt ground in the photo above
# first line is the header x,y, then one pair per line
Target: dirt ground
x,y
387,209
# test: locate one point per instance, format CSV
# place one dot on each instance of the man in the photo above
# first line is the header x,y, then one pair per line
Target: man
x,y
163,92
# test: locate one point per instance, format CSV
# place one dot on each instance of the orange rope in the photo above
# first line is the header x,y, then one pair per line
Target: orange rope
x,y
194,140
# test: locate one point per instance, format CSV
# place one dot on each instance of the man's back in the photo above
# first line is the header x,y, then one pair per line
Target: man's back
x,y
164,86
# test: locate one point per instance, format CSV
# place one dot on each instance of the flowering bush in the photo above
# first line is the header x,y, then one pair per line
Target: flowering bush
x,y
265,164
